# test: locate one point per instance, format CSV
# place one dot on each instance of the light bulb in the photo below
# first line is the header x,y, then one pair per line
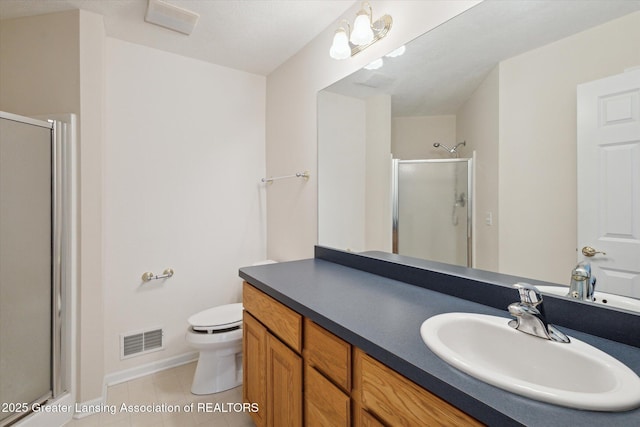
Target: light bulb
x,y
362,33
340,48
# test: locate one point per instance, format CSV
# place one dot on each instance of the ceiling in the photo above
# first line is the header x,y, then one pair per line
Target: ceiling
x,y
255,36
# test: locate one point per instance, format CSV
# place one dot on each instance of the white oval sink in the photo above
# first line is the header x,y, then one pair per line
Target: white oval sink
x,y
603,298
576,374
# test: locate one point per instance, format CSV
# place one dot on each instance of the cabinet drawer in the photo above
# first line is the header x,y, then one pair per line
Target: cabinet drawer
x,y
283,322
328,354
324,403
397,401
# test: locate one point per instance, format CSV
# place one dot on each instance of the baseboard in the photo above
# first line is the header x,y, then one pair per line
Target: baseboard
x,y
81,410
150,368
131,374
62,411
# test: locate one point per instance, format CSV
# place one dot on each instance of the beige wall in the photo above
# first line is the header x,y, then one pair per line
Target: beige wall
x,y
91,139
477,124
53,64
343,132
378,213
182,169
537,154
413,137
355,175
40,64
291,117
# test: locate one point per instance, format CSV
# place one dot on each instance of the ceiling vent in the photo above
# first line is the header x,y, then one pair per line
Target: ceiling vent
x,y
141,342
172,17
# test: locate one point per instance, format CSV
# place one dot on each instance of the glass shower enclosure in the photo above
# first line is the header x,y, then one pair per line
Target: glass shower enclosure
x,y
432,209
30,294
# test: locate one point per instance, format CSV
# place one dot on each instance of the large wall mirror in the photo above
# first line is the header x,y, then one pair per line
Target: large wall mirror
x,y
499,83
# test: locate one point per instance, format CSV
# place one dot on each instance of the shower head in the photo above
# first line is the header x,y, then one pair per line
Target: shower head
x,y
453,151
449,149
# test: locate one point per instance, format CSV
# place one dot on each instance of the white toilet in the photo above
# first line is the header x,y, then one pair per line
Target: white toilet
x,y
217,334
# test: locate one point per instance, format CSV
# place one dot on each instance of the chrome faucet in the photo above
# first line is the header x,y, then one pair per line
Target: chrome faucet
x,y
583,284
529,315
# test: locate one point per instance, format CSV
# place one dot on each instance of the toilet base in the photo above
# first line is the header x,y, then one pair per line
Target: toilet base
x,y
217,371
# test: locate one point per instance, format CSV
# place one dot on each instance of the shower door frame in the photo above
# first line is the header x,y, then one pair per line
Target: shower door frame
x,y
60,247
396,200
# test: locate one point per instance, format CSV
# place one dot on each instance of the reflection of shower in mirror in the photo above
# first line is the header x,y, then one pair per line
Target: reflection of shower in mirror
x,y
459,200
432,209
452,150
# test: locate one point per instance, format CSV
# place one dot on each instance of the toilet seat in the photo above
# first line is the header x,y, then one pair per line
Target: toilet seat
x,y
217,319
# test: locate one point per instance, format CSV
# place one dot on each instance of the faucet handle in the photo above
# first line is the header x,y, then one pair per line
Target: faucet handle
x,y
581,271
529,294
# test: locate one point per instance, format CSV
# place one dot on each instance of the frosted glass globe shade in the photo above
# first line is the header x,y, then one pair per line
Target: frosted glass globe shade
x,y
362,33
340,48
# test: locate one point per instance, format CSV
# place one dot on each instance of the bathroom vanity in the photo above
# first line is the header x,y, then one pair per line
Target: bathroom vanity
x,y
335,340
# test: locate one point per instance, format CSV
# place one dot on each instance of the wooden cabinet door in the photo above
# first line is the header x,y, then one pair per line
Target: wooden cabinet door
x,y
368,420
284,385
254,390
324,403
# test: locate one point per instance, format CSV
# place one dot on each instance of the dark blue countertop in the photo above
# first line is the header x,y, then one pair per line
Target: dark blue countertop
x,y
382,316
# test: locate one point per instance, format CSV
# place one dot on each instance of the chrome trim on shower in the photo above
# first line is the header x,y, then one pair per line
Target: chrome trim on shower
x,y
65,134
57,226
394,205
470,202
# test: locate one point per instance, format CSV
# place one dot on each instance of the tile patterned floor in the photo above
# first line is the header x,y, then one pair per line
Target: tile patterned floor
x,y
163,391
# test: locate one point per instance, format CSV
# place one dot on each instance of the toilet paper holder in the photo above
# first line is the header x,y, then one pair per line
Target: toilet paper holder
x,y
148,276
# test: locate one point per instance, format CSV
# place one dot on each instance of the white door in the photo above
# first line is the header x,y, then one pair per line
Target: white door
x,y
609,180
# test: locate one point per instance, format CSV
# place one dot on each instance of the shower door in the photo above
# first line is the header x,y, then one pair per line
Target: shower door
x,y
26,268
432,210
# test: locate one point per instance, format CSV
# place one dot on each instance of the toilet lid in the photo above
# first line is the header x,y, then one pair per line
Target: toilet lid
x,y
216,318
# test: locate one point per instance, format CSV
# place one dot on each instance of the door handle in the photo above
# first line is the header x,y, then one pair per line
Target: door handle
x,y
588,251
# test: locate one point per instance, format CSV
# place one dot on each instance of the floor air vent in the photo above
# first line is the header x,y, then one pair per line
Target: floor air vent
x,y
140,342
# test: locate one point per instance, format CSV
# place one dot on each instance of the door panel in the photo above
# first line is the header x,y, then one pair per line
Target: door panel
x,y
609,180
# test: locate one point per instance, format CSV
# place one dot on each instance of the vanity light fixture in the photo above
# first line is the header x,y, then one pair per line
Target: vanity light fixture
x,y
365,32
362,33
340,49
